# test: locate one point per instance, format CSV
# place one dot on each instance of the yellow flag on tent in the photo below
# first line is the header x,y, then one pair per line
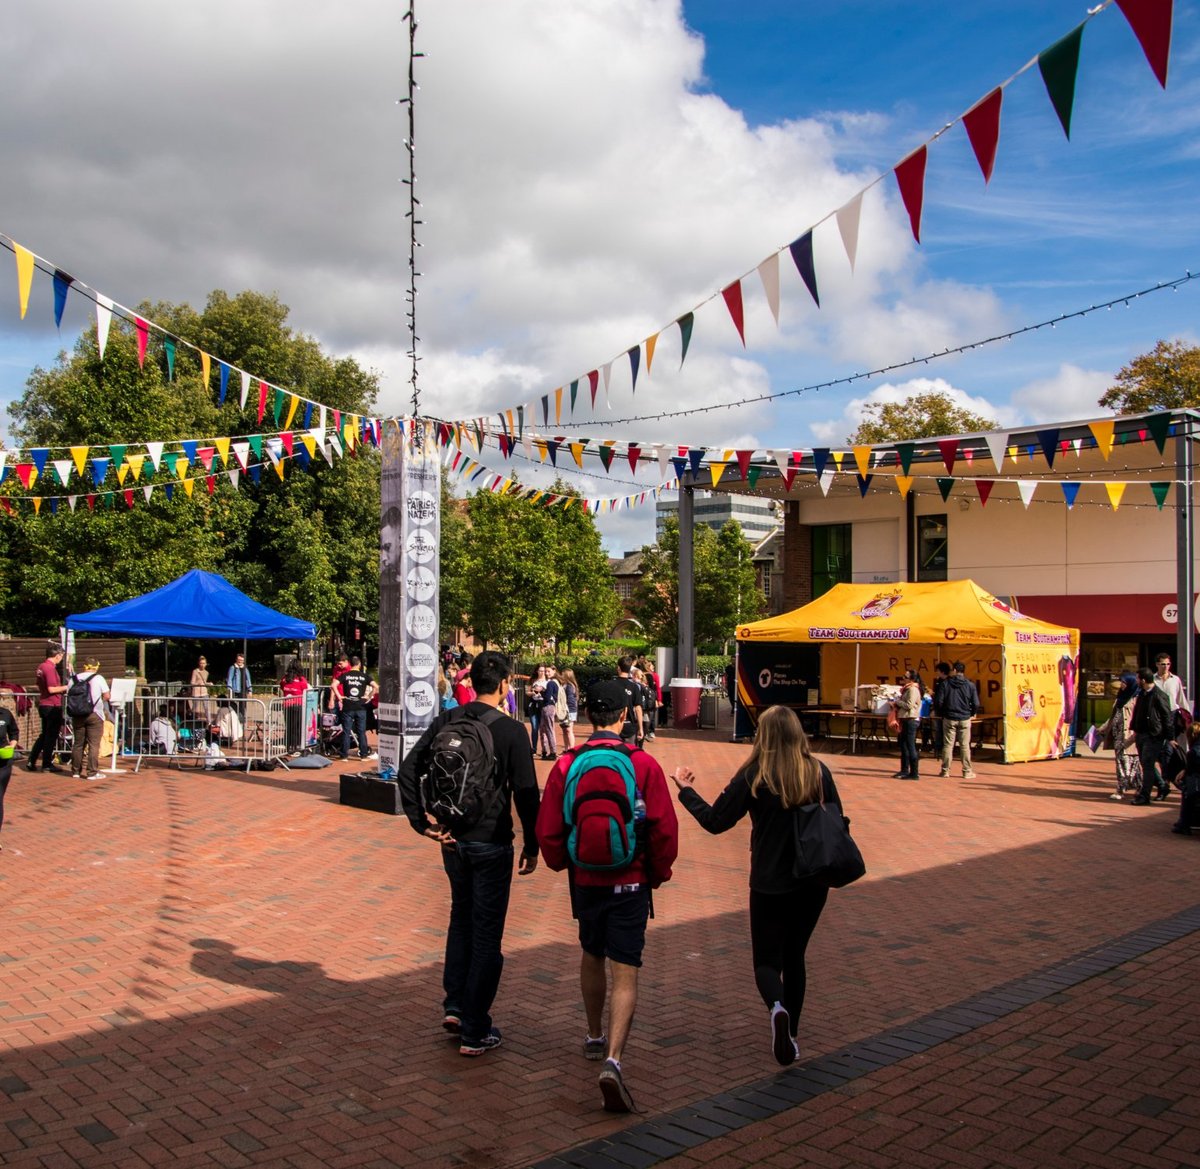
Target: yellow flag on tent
x,y
24,275
1103,434
1115,491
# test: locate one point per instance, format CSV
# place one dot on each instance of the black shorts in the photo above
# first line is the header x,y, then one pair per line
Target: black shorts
x,y
612,925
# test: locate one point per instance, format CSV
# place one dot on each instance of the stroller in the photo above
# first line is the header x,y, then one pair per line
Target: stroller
x,y
330,741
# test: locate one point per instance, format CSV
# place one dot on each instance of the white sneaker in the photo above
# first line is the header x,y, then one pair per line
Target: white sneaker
x,y
96,775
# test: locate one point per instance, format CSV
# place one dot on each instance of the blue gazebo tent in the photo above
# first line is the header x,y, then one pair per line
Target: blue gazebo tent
x,y
198,605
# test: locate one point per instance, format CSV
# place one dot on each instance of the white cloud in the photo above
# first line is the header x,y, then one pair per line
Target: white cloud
x,y
1069,393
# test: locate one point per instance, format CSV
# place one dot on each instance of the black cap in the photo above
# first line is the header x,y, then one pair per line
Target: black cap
x,y
608,696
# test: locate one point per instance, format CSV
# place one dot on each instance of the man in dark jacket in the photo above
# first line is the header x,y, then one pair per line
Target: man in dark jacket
x,y
478,861
612,906
1153,725
960,703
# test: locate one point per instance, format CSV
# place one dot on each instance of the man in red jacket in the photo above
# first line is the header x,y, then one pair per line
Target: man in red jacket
x,y
612,906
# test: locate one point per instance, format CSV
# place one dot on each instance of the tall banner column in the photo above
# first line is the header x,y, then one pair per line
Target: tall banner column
x,y
410,529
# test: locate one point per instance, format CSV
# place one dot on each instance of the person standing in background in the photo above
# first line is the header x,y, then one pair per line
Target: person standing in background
x,y
908,712
89,728
8,743
50,699
237,681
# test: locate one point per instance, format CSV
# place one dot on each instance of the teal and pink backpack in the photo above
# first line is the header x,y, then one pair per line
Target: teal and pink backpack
x,y
601,807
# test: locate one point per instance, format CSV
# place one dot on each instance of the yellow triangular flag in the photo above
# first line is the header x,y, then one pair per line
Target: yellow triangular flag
x,y
558,406
540,443
291,412
716,470
122,472
182,466
1115,491
205,367
536,496
24,275
838,456
37,501
1012,453
904,482
278,465
310,444
222,445
188,486
650,343
135,462
351,434
1103,433
862,456
577,452
79,454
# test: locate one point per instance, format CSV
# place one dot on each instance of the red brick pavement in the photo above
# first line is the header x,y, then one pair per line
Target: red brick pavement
x,y
226,969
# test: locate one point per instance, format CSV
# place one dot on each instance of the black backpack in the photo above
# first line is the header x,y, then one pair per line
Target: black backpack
x,y
79,696
459,787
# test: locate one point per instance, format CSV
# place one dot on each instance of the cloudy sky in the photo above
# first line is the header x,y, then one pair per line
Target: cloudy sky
x,y
589,172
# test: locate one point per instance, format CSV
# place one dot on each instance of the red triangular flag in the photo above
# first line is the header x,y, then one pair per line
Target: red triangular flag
x,y
143,331
1151,24
129,497
788,476
594,380
743,461
733,302
982,124
289,441
210,482
634,453
910,175
949,449
262,400
984,487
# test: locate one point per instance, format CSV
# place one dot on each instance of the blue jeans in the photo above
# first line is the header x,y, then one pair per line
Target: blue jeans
x,y
354,723
480,881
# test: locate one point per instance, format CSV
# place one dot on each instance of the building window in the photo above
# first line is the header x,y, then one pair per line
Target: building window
x,y
830,557
932,547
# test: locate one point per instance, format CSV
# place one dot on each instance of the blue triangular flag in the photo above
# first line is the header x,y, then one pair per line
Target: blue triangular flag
x,y
39,457
1049,443
1070,490
680,465
635,360
256,472
61,283
820,458
696,457
308,409
802,256
99,470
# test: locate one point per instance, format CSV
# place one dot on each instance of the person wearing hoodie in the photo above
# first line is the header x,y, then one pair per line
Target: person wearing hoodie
x,y
960,703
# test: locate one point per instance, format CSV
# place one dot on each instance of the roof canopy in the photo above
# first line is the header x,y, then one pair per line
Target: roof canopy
x,y
198,605
935,612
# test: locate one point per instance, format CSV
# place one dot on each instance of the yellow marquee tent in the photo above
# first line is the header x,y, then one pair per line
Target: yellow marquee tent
x,y
1026,669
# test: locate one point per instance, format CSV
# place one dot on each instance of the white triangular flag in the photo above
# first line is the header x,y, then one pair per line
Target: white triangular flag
x,y
63,467
664,460
1026,487
234,476
768,273
782,458
825,480
245,388
241,452
104,308
997,444
527,443
321,419
155,450
847,221
71,501
147,491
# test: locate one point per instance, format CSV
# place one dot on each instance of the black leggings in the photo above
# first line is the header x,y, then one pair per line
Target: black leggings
x,y
780,926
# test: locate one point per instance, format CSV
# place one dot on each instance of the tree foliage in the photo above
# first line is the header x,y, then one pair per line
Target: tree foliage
x,y
927,415
1166,378
307,544
724,589
516,573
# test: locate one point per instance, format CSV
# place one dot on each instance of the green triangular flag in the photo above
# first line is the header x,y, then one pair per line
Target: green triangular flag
x,y
169,346
1059,65
606,456
255,441
574,394
945,486
752,476
108,499
1160,493
1159,426
904,452
278,405
169,459
118,454
685,324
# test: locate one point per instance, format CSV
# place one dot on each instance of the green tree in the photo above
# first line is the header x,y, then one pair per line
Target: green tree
x,y
724,589
926,415
307,544
1166,378
591,607
454,598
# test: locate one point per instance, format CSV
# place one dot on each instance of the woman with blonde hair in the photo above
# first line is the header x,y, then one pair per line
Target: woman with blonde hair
x,y
571,688
781,774
88,729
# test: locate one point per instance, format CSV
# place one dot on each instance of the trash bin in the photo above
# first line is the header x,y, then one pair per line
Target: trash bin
x,y
685,703
710,709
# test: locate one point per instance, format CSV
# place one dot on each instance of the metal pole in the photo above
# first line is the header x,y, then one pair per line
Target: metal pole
x,y
685,657
1185,629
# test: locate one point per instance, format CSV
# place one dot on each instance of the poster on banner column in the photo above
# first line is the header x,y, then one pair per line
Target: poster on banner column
x,y
408,592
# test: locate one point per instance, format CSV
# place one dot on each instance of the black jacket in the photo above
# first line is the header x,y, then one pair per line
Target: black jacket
x,y
514,769
1152,714
959,698
772,837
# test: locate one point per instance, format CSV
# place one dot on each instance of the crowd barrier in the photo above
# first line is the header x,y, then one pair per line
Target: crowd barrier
x,y
235,731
